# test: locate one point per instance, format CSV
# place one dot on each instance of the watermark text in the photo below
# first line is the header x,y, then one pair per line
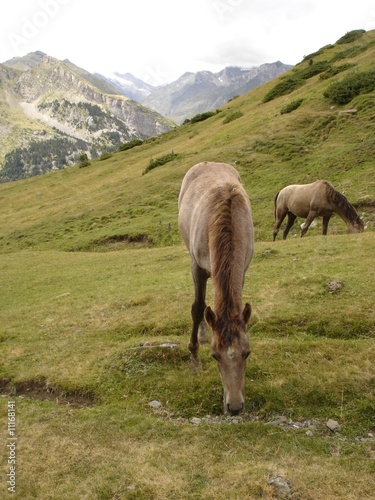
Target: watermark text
x,y
11,448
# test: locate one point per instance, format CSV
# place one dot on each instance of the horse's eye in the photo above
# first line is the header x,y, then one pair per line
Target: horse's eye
x,y
246,354
216,356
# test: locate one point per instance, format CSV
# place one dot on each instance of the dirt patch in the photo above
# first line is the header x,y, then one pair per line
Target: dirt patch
x,y
365,206
119,240
42,390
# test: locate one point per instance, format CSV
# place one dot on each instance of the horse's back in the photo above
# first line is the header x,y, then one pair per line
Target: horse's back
x,y
299,198
205,176
196,202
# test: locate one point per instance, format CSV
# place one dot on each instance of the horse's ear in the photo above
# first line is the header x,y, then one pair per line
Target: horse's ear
x,y
210,316
246,313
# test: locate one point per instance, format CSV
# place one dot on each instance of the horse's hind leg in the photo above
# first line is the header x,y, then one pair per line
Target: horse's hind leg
x,y
289,224
279,220
200,278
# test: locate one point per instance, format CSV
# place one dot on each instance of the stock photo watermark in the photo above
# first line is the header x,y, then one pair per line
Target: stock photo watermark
x,y
225,7
11,447
30,26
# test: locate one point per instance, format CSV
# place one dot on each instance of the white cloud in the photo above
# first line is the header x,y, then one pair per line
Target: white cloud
x,y
159,40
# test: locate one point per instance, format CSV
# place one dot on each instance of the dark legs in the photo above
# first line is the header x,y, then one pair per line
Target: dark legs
x,y
325,224
278,222
311,216
291,219
289,224
200,278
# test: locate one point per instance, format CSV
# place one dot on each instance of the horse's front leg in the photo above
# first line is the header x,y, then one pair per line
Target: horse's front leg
x,y
325,224
200,278
311,216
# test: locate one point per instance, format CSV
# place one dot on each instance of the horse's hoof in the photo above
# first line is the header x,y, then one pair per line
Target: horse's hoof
x,y
195,364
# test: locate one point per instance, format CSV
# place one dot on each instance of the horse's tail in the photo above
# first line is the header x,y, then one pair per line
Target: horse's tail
x,y
275,204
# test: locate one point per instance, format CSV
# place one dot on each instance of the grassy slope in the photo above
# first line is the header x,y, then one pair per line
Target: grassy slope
x,y
72,322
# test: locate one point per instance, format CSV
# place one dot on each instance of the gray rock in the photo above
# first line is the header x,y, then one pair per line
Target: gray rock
x,y
155,404
333,425
281,485
196,420
278,421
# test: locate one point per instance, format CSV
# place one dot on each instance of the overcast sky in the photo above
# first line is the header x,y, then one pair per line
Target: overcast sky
x,y
159,40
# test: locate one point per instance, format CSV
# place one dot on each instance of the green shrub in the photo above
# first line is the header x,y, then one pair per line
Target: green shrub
x,y
83,161
130,144
157,162
286,86
291,83
351,36
202,116
351,86
350,52
313,69
105,156
335,70
232,116
291,106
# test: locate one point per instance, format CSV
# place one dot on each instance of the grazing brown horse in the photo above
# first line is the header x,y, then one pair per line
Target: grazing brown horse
x,y
216,225
308,201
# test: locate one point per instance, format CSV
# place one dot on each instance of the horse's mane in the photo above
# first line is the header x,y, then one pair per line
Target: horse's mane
x,y
341,203
226,250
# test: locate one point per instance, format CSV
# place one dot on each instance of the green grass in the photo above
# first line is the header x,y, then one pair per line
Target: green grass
x,y
78,331
95,280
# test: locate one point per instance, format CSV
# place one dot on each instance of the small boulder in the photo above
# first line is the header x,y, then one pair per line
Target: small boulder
x,y
333,425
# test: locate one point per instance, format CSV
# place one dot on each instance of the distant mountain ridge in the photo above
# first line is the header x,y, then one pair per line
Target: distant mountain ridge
x,y
54,111
195,93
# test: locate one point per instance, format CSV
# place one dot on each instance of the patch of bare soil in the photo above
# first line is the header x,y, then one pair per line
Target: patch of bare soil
x,y
42,390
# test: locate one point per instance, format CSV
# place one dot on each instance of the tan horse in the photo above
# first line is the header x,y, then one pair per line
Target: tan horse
x,y
309,201
216,225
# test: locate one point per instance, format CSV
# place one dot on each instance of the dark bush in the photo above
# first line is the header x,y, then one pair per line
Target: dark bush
x,y
200,117
105,156
232,116
298,78
351,36
286,86
291,106
313,69
344,91
350,52
83,161
130,144
335,70
162,160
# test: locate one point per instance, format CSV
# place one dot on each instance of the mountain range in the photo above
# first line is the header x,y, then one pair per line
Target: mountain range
x,y
195,93
53,112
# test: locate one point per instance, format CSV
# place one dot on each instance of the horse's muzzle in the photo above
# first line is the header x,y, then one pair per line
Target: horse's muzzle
x,y
233,411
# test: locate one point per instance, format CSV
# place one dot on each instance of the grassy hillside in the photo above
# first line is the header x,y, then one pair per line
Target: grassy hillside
x,y
76,207
95,312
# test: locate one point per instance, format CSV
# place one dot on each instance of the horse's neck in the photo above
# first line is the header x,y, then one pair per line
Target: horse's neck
x,y
228,250
348,215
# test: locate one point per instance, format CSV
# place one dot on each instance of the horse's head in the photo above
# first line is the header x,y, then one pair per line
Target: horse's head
x,y
230,348
357,226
